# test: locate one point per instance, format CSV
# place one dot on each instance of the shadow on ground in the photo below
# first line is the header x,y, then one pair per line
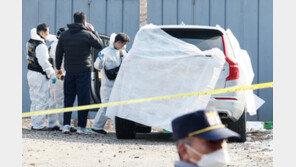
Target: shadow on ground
x,y
110,138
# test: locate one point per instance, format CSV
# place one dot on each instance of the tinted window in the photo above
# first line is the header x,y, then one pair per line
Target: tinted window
x,y
203,39
105,41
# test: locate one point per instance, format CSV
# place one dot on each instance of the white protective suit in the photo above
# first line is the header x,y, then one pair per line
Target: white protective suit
x,y
39,85
110,60
57,89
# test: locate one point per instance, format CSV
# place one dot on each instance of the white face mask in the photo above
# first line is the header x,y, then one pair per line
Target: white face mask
x,y
124,47
50,37
217,158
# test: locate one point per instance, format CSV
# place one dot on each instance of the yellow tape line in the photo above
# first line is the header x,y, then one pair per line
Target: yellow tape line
x,y
94,106
206,129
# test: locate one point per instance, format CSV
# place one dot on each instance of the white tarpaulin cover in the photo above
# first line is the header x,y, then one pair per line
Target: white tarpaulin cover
x,y
159,65
253,102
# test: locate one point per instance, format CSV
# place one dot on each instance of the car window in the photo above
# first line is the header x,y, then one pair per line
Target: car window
x,y
105,41
203,39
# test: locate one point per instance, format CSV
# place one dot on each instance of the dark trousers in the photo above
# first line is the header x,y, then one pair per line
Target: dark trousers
x,y
77,84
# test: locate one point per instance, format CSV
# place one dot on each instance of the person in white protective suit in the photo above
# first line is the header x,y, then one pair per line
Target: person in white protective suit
x,y
108,62
57,89
40,74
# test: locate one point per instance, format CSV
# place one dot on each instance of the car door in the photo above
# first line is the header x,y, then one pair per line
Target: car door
x,y
95,74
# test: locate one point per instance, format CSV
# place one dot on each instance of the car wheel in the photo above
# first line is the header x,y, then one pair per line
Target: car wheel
x,y
143,129
125,129
239,127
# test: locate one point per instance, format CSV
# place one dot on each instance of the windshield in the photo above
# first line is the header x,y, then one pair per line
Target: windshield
x,y
203,39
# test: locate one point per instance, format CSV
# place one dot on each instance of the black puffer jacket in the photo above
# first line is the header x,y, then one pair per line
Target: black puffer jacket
x,y
75,44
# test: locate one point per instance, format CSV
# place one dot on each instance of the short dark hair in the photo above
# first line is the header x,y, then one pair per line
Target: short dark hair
x,y
122,37
79,17
42,27
61,30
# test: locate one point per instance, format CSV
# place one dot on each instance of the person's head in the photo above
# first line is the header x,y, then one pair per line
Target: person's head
x,y
79,17
121,39
192,150
60,31
201,138
43,30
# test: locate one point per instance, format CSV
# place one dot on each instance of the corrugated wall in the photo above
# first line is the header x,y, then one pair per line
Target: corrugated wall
x,y
251,21
107,16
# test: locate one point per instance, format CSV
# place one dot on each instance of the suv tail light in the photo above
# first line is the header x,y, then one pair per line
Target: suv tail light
x,y
233,67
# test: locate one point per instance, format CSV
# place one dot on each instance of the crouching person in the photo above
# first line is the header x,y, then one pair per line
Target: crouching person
x,y
108,62
201,139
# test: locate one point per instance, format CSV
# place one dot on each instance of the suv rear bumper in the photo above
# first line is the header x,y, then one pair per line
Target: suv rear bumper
x,y
230,106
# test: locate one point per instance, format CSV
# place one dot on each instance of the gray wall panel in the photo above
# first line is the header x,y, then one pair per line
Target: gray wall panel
x,y
114,16
154,12
30,20
202,12
186,11
251,32
170,13
234,18
98,15
63,13
265,56
47,17
251,38
217,13
131,19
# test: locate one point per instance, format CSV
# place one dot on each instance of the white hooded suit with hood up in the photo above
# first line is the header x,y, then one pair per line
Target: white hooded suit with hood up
x,y
111,59
39,85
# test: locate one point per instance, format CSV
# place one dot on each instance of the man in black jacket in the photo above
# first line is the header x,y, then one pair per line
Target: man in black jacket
x,y
74,46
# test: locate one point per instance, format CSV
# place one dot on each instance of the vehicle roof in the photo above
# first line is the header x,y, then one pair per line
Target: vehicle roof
x,y
192,27
104,35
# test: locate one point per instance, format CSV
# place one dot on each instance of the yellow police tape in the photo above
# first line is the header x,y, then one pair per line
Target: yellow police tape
x,y
94,106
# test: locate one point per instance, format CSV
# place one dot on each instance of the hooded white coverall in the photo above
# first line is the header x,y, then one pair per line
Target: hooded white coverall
x,y
39,85
57,89
110,60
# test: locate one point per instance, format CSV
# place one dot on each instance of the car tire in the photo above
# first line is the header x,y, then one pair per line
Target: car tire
x,y
125,129
143,129
239,127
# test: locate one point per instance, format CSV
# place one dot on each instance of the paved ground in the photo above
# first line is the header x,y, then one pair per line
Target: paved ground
x,y
54,149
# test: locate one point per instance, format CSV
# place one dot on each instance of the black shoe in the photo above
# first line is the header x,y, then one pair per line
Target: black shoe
x,y
99,131
42,129
55,128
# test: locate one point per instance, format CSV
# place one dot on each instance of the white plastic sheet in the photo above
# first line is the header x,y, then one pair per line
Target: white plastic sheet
x,y
159,65
253,102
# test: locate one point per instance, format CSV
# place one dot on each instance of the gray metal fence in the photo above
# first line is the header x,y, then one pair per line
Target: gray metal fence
x,y
107,16
251,21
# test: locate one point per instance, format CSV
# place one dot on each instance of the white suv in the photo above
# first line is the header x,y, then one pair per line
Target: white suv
x,y
231,106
